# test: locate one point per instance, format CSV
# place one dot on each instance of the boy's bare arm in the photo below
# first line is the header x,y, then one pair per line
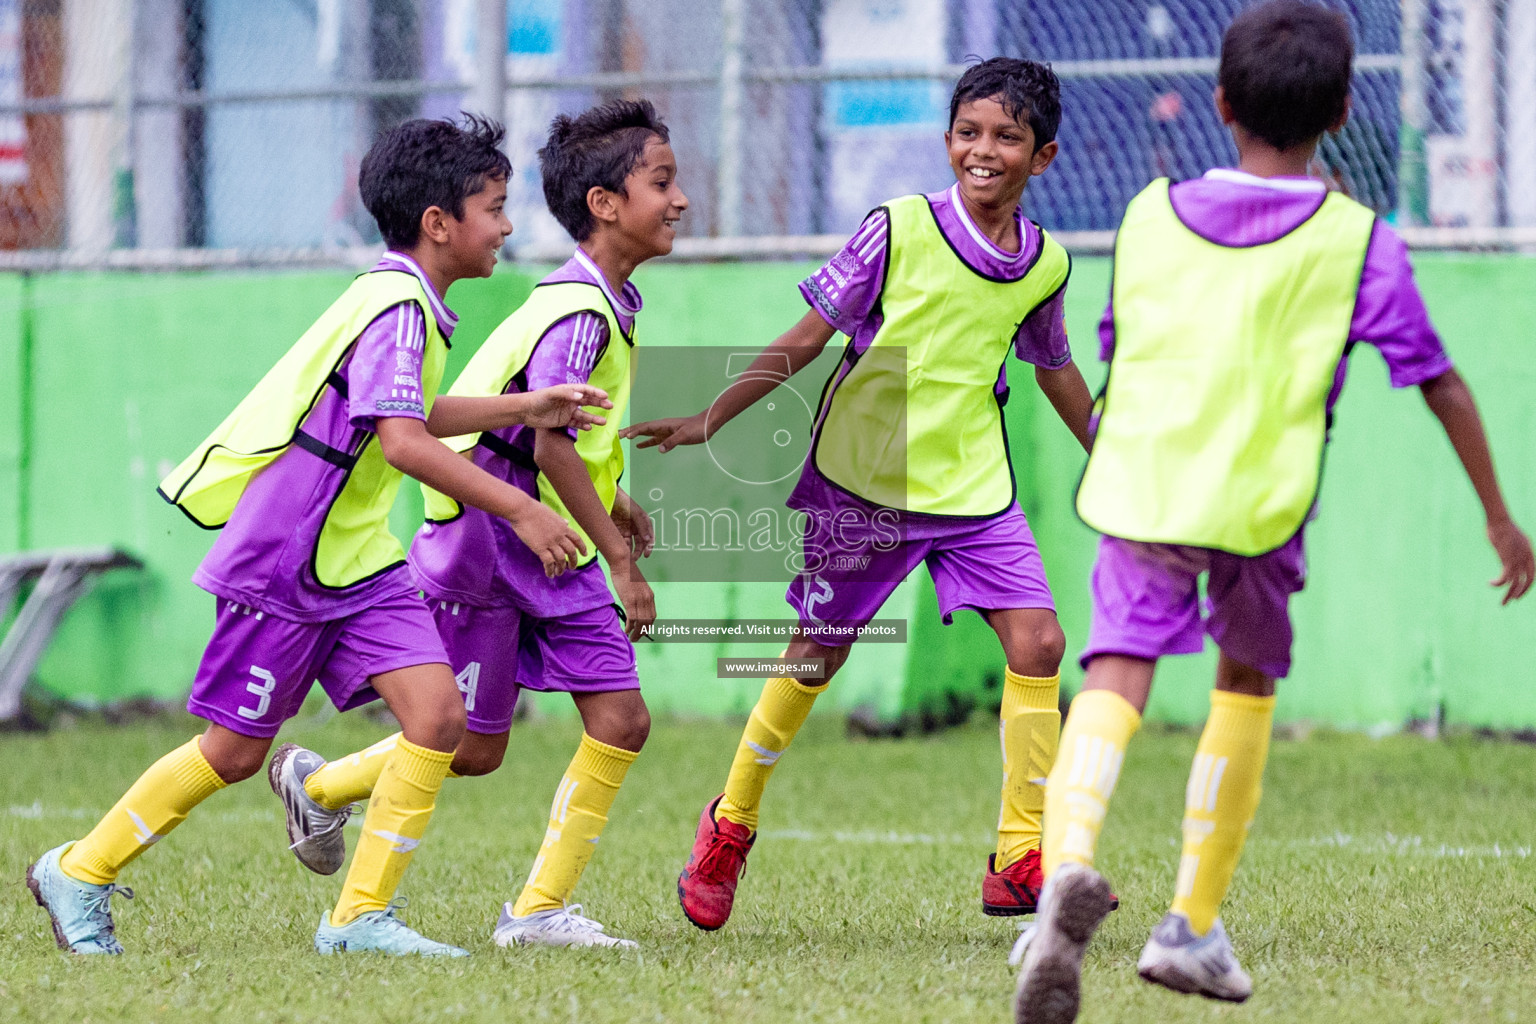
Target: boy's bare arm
x,y
1069,396
1449,398
557,458
409,448
559,406
800,345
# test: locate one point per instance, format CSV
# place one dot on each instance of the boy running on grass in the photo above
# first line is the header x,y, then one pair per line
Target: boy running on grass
x,y
610,178
933,291
309,581
1236,299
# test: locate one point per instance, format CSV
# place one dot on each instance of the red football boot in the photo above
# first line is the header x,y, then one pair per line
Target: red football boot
x,y
707,886
1015,890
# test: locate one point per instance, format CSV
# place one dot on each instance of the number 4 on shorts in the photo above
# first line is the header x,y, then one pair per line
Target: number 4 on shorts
x,y
469,682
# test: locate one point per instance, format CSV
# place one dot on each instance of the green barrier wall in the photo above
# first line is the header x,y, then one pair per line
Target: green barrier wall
x,y
111,379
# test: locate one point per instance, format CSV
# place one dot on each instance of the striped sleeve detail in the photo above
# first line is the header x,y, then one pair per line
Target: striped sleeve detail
x,y
844,291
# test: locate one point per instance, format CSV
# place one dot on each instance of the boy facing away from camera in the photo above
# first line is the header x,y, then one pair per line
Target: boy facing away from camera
x,y
933,291
610,179
1236,299
307,579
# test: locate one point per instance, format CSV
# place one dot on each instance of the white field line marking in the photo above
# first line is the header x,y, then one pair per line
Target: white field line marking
x,y
1389,844
873,838
1412,846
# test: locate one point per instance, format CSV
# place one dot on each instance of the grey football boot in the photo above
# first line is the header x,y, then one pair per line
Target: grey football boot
x,y
314,832
1073,904
1176,958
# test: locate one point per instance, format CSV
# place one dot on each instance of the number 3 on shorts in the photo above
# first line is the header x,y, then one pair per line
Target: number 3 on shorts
x,y
469,682
262,686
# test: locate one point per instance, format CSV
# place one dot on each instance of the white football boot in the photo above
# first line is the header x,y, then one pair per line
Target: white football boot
x,y
563,926
1176,958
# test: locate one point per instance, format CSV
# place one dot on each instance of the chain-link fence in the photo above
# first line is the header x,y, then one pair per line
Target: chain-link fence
x,y
185,131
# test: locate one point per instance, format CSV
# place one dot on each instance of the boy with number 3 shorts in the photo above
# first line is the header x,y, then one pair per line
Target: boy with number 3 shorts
x,y
610,179
308,581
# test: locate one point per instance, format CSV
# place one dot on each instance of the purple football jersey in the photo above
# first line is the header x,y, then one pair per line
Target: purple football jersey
x,y
1232,208
477,559
261,558
846,292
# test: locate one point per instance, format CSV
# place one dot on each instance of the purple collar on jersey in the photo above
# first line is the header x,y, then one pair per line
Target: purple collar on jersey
x,y
627,303
985,244
1238,210
446,319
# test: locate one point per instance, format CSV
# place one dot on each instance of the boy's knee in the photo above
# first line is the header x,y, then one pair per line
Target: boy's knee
x,y
1051,644
234,763
473,763
831,658
638,730
1035,649
443,729
627,732
618,719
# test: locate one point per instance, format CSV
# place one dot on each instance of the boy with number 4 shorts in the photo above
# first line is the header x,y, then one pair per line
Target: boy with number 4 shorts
x,y
610,179
308,581
1236,299
909,459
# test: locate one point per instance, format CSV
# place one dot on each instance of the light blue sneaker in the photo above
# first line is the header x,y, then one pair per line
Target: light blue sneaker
x,y
79,911
379,931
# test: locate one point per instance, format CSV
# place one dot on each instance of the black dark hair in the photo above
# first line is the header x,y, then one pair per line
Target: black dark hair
x,y
1027,89
1285,68
596,148
423,163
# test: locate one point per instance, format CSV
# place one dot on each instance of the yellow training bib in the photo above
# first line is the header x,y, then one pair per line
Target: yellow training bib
x,y
914,423
1214,417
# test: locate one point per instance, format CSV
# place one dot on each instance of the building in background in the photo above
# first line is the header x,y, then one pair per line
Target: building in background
x,y
232,124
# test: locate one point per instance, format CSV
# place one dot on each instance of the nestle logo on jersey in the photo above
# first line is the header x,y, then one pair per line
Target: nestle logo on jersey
x,y
405,379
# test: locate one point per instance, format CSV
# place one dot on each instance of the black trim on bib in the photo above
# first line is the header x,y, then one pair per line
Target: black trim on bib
x,y
988,277
503,448
618,319
319,449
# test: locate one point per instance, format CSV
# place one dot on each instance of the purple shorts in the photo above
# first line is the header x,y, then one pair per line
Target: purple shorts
x,y
497,652
258,669
1146,602
985,564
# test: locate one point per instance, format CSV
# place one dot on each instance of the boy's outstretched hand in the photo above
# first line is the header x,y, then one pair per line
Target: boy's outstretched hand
x,y
634,525
548,536
664,435
1514,550
561,406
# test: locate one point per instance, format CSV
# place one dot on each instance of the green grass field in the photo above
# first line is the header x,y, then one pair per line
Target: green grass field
x,y
1385,880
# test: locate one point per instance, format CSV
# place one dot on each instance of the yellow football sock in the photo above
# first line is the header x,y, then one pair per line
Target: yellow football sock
x,y
779,714
1083,778
576,823
349,779
1030,723
157,803
397,818
1220,801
